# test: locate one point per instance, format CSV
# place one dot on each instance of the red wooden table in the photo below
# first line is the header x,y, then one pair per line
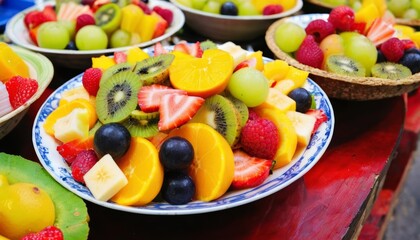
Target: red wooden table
x,y
331,201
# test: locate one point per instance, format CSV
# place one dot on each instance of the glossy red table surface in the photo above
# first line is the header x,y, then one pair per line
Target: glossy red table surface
x,y
329,202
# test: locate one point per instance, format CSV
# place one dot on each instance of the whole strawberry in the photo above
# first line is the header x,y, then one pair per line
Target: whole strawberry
x,y
259,138
83,162
309,53
20,90
91,79
84,20
48,233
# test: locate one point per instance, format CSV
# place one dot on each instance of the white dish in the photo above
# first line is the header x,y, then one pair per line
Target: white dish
x,y
18,34
304,160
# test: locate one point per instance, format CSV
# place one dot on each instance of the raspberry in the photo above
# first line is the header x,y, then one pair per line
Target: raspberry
x,y
309,53
319,28
20,90
342,18
259,138
164,13
83,162
50,233
393,49
144,7
272,9
90,80
84,20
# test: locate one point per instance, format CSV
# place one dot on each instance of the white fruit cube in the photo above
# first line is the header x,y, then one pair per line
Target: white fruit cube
x,y
105,178
74,125
303,124
237,52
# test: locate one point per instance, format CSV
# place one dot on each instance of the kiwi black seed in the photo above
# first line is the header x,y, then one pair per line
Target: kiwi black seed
x,y
108,17
117,68
117,97
220,113
345,66
154,69
390,70
141,124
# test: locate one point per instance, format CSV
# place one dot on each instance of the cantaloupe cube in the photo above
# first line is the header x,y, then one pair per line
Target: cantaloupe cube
x,y
11,64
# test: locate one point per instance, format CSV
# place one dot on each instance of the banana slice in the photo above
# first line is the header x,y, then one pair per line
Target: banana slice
x,y
237,52
303,124
73,126
105,178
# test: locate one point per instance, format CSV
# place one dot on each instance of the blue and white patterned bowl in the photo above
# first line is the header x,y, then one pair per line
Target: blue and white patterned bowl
x,y
303,161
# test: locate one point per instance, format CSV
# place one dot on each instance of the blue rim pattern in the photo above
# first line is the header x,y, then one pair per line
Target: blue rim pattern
x,y
45,147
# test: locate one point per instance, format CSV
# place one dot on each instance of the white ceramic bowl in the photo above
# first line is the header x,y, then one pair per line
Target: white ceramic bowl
x,y
18,34
230,28
42,70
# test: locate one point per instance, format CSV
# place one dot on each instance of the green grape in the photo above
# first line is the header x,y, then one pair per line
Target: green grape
x,y
53,35
198,4
91,37
120,38
247,9
212,7
249,85
335,3
288,36
411,14
70,26
359,48
187,3
398,7
416,5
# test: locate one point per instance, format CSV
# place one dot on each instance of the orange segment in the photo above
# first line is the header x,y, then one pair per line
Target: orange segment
x,y
144,172
213,165
203,76
66,109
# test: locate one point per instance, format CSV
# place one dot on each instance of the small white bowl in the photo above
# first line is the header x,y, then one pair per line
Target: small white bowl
x,y
42,70
231,28
76,59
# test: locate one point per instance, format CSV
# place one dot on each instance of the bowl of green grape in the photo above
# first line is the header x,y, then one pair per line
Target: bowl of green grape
x,y
234,20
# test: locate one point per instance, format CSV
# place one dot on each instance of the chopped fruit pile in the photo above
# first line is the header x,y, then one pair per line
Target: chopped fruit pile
x,y
240,7
16,86
355,44
97,24
196,115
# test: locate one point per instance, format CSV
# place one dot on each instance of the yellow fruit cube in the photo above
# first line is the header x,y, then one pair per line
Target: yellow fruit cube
x,y
135,55
103,62
298,76
276,70
380,5
73,126
131,17
415,37
277,100
258,55
147,27
11,64
367,14
285,86
303,124
72,94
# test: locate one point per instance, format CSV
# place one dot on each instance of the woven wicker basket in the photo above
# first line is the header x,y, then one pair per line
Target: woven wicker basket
x,y
341,86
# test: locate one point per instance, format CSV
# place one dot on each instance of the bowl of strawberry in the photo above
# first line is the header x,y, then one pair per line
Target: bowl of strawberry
x,y
71,33
24,77
224,20
350,59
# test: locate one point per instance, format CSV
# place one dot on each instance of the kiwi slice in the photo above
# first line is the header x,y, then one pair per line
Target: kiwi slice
x,y
241,107
208,44
345,66
70,210
108,17
117,68
141,124
117,97
390,70
154,69
220,113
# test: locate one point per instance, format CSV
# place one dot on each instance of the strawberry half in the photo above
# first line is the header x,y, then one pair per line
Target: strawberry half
x,y
176,109
252,62
149,97
249,171
158,49
120,57
319,116
70,149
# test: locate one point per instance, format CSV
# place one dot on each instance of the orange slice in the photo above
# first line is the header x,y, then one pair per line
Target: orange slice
x,y
213,165
66,109
203,76
144,173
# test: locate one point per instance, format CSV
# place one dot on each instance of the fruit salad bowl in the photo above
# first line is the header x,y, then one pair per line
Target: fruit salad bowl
x,y
78,59
230,28
338,85
42,70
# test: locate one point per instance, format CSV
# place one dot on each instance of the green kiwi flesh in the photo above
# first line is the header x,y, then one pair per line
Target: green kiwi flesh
x,y
220,113
154,69
141,124
241,107
208,44
117,68
108,17
117,97
345,66
390,70
70,210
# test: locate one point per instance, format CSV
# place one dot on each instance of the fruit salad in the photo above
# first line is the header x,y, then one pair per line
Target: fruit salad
x,y
355,44
16,84
95,25
188,123
240,8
